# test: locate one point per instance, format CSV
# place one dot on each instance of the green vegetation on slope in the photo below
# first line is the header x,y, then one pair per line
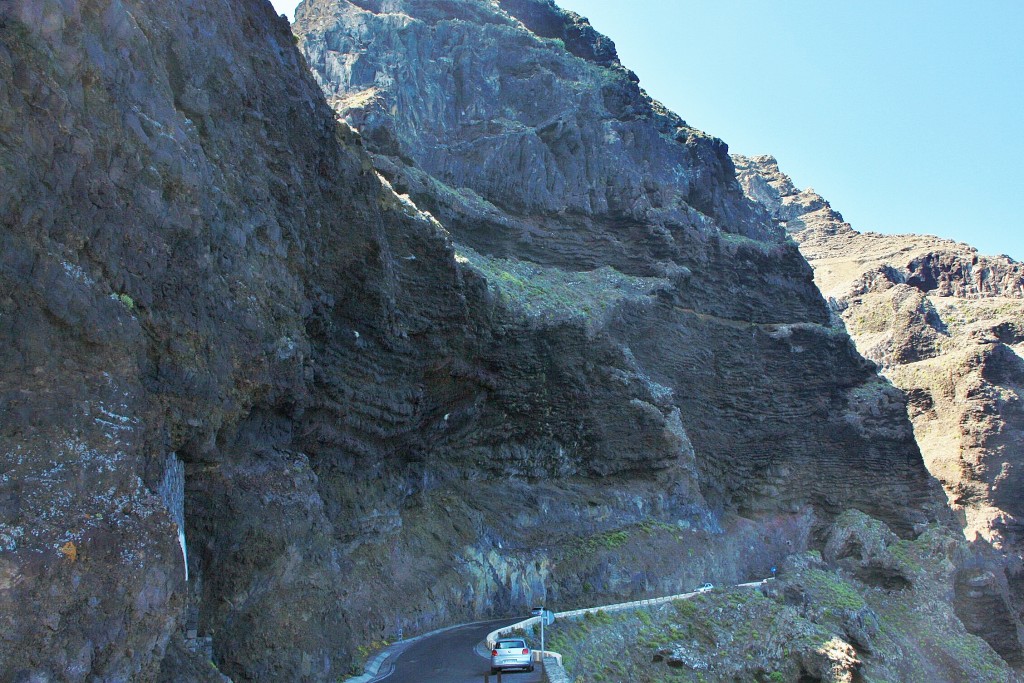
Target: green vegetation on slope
x,y
817,621
556,294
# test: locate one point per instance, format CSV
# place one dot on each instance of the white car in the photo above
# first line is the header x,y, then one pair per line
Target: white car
x,y
706,588
511,653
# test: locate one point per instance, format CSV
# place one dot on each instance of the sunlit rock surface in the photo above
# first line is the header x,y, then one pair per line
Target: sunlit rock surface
x,y
946,325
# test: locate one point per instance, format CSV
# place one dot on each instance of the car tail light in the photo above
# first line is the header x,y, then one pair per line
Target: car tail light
x,y
526,652
494,653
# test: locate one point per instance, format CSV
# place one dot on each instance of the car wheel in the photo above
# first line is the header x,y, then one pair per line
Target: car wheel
x,y
494,672
529,669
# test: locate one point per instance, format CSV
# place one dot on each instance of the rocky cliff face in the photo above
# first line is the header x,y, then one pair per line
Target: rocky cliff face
x,y
944,324
189,239
594,368
528,147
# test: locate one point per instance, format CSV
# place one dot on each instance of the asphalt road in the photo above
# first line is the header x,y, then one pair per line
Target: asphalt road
x,y
450,657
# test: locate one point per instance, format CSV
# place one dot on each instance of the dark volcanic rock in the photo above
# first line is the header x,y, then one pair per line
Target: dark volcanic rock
x,y
183,219
547,20
526,151
380,427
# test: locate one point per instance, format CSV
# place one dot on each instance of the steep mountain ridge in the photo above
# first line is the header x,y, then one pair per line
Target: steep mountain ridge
x,y
916,304
944,324
845,261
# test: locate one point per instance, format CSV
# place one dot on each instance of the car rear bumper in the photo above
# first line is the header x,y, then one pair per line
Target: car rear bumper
x,y
518,663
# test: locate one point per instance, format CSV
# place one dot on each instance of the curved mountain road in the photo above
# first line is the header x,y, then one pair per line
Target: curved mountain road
x,y
451,657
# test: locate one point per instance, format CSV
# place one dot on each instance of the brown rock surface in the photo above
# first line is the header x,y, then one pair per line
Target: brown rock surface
x,y
944,324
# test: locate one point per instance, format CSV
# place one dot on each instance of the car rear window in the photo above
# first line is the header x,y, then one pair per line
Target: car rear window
x,y
510,644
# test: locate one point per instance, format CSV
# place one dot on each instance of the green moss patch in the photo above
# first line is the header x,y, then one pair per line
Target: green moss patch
x,y
543,292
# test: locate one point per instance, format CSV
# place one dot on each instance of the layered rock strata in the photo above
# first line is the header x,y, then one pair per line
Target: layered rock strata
x,y
601,352
531,144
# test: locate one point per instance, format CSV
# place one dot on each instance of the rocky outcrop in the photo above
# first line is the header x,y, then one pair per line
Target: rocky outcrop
x,y
849,263
185,227
527,152
944,324
221,304
838,616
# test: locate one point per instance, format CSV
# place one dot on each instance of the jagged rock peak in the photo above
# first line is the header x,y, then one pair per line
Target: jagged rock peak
x,y
524,105
798,210
930,264
946,325
543,17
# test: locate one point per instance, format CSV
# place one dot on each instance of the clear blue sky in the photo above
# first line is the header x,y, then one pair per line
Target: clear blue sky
x,y
907,115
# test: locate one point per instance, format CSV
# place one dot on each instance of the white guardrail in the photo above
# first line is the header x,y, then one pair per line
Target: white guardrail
x,y
578,613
